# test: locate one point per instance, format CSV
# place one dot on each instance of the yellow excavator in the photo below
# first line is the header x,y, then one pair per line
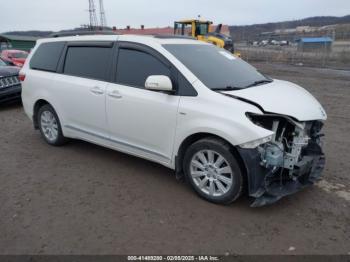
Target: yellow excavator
x,y
201,30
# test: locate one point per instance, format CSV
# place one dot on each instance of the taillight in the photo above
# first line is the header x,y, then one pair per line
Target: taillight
x,y
22,77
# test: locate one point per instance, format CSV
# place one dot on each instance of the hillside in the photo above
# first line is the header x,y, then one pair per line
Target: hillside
x,y
249,32
30,33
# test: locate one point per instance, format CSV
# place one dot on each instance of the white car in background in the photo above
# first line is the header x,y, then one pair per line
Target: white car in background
x,y
182,103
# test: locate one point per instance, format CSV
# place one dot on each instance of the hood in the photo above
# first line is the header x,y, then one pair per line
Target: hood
x,y
8,71
284,98
19,60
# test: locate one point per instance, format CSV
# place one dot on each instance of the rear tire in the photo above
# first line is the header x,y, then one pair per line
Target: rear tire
x,y
213,171
50,126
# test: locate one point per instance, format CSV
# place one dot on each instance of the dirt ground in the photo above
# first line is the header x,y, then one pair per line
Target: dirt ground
x,y
85,199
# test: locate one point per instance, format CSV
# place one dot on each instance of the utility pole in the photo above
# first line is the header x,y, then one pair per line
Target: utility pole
x,y
103,19
93,17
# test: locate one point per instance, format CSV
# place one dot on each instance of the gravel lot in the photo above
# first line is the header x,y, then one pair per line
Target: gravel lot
x,y
84,199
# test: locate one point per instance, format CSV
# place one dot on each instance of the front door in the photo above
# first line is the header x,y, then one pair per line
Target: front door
x,y
141,121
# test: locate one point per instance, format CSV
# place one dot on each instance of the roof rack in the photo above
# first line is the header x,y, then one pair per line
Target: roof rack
x,y
174,36
81,32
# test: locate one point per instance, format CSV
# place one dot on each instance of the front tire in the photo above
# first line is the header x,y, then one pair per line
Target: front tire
x,y
50,126
212,170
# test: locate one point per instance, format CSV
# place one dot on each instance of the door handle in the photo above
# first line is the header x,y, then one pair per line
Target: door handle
x,y
97,90
115,94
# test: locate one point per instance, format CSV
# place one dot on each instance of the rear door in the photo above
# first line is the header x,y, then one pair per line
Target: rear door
x,y
82,84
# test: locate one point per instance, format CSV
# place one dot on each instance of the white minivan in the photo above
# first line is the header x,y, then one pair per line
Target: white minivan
x,y
185,104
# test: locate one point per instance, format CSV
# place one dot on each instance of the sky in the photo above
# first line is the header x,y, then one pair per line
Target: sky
x,y
65,14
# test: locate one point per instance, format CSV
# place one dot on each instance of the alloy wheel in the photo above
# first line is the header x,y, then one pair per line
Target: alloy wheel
x,y
211,173
49,125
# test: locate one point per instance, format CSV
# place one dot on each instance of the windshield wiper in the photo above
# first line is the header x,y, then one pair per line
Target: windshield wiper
x,y
227,88
260,82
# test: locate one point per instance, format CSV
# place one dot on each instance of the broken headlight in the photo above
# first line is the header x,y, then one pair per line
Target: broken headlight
x,y
256,143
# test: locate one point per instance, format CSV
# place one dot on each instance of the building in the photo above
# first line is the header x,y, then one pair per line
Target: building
x,y
25,43
315,44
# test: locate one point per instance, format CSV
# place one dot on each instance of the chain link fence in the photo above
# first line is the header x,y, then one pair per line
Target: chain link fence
x,y
337,58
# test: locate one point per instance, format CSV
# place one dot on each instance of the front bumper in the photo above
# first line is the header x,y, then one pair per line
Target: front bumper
x,y
10,93
268,186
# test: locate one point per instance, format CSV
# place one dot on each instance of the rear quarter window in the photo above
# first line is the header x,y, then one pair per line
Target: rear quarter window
x,y
47,56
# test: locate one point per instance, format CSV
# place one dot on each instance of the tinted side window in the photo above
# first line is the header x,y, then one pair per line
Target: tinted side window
x,y
47,56
135,66
185,88
89,62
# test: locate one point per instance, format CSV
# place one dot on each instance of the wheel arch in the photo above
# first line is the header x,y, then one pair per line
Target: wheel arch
x,y
37,105
189,140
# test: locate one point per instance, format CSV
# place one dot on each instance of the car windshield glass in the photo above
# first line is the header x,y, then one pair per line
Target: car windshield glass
x,y
217,68
19,55
2,63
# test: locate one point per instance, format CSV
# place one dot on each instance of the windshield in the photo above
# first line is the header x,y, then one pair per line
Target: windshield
x,y
202,29
183,29
19,55
217,68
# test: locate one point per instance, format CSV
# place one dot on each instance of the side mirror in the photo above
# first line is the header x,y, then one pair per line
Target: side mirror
x,y
159,83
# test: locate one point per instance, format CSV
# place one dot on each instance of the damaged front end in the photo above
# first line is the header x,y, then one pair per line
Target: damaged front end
x,y
284,163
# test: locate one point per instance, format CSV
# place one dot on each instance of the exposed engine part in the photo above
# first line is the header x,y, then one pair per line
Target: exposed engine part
x,y
300,140
274,129
273,155
291,160
289,139
283,152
